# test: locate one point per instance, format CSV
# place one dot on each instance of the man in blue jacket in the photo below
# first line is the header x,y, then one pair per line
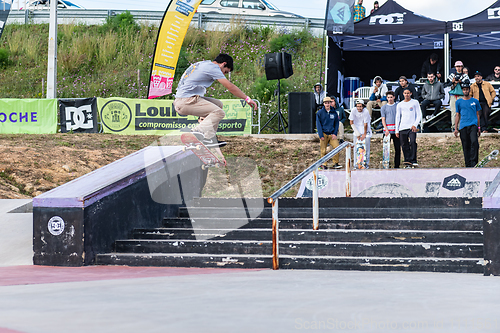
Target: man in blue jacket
x,y
327,123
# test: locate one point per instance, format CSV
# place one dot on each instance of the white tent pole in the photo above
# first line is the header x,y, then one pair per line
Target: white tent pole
x,y
52,60
447,55
326,62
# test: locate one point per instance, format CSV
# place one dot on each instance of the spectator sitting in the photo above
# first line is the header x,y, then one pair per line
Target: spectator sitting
x,y
495,77
433,93
485,93
327,123
377,94
432,64
403,84
375,7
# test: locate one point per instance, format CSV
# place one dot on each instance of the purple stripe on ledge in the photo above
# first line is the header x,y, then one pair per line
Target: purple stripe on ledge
x,y
89,188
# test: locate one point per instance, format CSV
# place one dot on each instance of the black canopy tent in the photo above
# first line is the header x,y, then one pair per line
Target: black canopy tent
x,y
475,40
391,42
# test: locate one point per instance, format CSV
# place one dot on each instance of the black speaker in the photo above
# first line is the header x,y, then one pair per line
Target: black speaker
x,y
301,112
278,66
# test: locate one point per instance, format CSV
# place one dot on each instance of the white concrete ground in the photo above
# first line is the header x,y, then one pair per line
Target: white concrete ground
x,y
16,234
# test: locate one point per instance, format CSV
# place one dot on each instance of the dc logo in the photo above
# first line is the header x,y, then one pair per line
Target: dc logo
x,y
494,13
458,26
394,18
56,225
79,117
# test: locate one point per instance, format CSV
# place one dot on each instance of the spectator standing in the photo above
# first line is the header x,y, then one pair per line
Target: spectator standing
x,y
388,113
485,93
375,7
454,80
432,65
360,122
359,11
432,93
468,113
341,114
495,77
408,117
327,123
404,84
377,94
319,95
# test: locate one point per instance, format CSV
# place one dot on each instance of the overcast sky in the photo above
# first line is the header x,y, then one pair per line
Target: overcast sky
x,y
446,10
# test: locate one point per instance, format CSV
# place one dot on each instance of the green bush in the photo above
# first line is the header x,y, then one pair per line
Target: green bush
x,y
121,22
4,58
264,90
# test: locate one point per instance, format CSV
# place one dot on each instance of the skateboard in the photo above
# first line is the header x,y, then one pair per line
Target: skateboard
x,y
386,151
493,155
208,158
360,150
408,165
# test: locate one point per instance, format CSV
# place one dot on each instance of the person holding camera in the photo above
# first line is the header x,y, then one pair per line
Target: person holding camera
x,y
455,79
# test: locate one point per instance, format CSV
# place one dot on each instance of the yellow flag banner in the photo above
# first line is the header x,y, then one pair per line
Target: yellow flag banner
x,y
158,117
171,34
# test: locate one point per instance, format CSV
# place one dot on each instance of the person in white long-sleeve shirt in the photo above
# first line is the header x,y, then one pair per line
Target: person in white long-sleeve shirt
x,y
408,117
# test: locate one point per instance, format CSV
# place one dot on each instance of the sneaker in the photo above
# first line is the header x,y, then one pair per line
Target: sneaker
x,y
337,166
200,136
213,142
428,117
415,164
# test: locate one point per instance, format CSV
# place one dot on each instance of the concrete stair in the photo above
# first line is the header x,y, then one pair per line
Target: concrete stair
x,y
376,234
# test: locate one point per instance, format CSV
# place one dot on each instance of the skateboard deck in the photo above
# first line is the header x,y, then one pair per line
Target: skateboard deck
x,y
484,161
208,158
386,151
408,165
360,150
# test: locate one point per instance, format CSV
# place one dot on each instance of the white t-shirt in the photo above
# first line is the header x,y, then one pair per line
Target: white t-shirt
x,y
197,78
359,120
408,114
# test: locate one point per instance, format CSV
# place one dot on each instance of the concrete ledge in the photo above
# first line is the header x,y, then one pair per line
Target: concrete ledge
x,y
74,222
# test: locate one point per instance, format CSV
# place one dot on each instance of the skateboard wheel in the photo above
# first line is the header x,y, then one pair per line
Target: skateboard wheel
x,y
204,167
198,147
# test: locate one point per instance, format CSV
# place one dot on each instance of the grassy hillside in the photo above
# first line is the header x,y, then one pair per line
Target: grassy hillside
x,y
106,60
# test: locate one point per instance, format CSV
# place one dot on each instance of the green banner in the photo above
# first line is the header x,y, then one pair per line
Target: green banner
x,y
157,117
29,116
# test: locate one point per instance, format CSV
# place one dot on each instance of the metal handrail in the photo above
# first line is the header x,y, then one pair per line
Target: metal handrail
x,y
273,199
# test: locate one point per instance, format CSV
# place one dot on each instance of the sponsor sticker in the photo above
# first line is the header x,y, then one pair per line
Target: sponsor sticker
x,y
56,225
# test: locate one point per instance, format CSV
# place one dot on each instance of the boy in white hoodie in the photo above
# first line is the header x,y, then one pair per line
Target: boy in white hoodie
x,y
408,117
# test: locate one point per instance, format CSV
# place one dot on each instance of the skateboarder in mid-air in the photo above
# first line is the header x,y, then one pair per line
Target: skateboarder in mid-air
x,y
190,99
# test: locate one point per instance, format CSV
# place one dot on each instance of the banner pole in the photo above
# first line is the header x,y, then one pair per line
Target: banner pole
x,y
52,59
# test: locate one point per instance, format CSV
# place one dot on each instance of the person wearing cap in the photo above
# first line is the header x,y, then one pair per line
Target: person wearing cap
x,y
456,77
327,123
466,123
408,117
495,76
485,93
404,84
360,122
375,7
377,94
319,95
